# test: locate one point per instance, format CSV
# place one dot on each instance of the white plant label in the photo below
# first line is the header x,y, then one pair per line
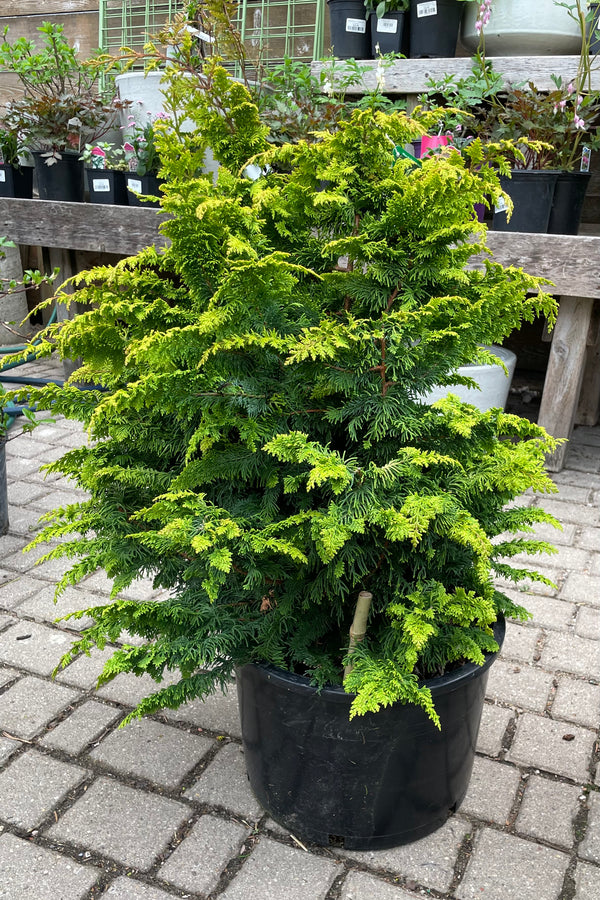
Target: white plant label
x,y
101,185
2,175
426,9
500,205
389,26
356,26
134,184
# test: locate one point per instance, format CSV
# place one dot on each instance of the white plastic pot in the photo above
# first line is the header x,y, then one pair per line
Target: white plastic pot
x,y
523,28
493,381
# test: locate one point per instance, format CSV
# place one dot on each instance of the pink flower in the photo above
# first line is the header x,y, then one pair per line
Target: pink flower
x,y
578,123
128,147
98,151
570,88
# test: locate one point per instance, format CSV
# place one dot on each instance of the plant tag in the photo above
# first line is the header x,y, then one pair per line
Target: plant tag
x,y
586,158
427,9
500,206
387,26
134,184
101,185
356,26
2,175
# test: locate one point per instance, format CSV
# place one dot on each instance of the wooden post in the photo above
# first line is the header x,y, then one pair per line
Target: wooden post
x,y
13,306
358,629
588,410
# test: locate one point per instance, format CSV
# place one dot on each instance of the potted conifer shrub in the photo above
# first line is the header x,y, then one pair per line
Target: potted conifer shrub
x,y
263,452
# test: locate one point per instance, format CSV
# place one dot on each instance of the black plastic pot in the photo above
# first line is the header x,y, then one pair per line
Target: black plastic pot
x,y
377,781
349,29
63,180
434,27
107,186
16,182
532,192
386,33
567,204
147,185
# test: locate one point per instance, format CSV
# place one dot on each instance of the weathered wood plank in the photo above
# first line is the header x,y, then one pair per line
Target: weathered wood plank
x,y
588,410
564,376
80,226
55,8
411,76
81,28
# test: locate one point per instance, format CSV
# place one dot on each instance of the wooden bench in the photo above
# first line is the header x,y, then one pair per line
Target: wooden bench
x,y
572,263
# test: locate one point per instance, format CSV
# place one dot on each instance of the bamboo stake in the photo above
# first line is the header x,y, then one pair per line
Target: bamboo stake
x,y
358,629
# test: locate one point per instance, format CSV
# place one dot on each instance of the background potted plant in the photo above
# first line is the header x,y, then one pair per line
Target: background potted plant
x,y
434,26
263,454
61,108
106,169
386,25
16,179
349,29
143,160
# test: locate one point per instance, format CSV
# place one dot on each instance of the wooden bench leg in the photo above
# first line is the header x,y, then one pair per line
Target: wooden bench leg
x,y
588,411
564,375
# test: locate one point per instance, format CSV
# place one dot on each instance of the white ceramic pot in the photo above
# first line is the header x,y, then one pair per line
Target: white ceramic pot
x,y
523,28
493,381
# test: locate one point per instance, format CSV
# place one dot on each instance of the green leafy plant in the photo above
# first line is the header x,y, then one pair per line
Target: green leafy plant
x,y
104,155
261,447
12,146
141,153
384,6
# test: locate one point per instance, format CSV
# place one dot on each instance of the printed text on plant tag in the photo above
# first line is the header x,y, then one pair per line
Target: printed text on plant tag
x,y
426,9
357,26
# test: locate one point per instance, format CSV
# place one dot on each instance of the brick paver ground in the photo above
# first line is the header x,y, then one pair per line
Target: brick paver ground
x,y
163,810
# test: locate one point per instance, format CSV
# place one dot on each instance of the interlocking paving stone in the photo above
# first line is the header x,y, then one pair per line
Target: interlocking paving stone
x,y
217,712
224,783
12,543
276,871
587,624
197,864
540,742
504,867
128,889
141,589
130,689
528,586
53,499
492,791
361,886
44,608
151,750
590,846
429,861
6,622
34,647
520,642
577,701
33,785
23,492
7,675
123,823
547,612
564,557
84,671
569,653
580,514
587,881
548,811
19,588
494,722
520,685
7,748
83,726
30,704
589,538
582,588
28,871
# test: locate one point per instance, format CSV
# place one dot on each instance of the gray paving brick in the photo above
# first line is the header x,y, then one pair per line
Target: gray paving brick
x,y
504,867
84,671
546,612
572,493
19,588
21,468
30,704
492,791
28,448
128,889
30,871
520,642
140,590
578,513
520,685
587,624
587,881
7,748
217,712
590,846
85,724
224,783
6,622
594,568
53,499
23,492
540,742
544,531
494,722
151,750
130,689
197,864
34,647
528,586
33,785
125,824
580,587
274,870
362,886
577,701
589,538
429,861
565,557
12,543
548,811
43,607
7,675
569,653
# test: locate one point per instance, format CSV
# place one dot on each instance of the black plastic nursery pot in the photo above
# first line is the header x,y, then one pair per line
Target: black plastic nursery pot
x,y
532,192
567,203
147,185
434,27
386,33
349,29
16,182
378,781
63,180
107,186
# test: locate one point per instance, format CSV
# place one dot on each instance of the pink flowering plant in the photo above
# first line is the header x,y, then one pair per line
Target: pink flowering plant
x,y
140,149
104,155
